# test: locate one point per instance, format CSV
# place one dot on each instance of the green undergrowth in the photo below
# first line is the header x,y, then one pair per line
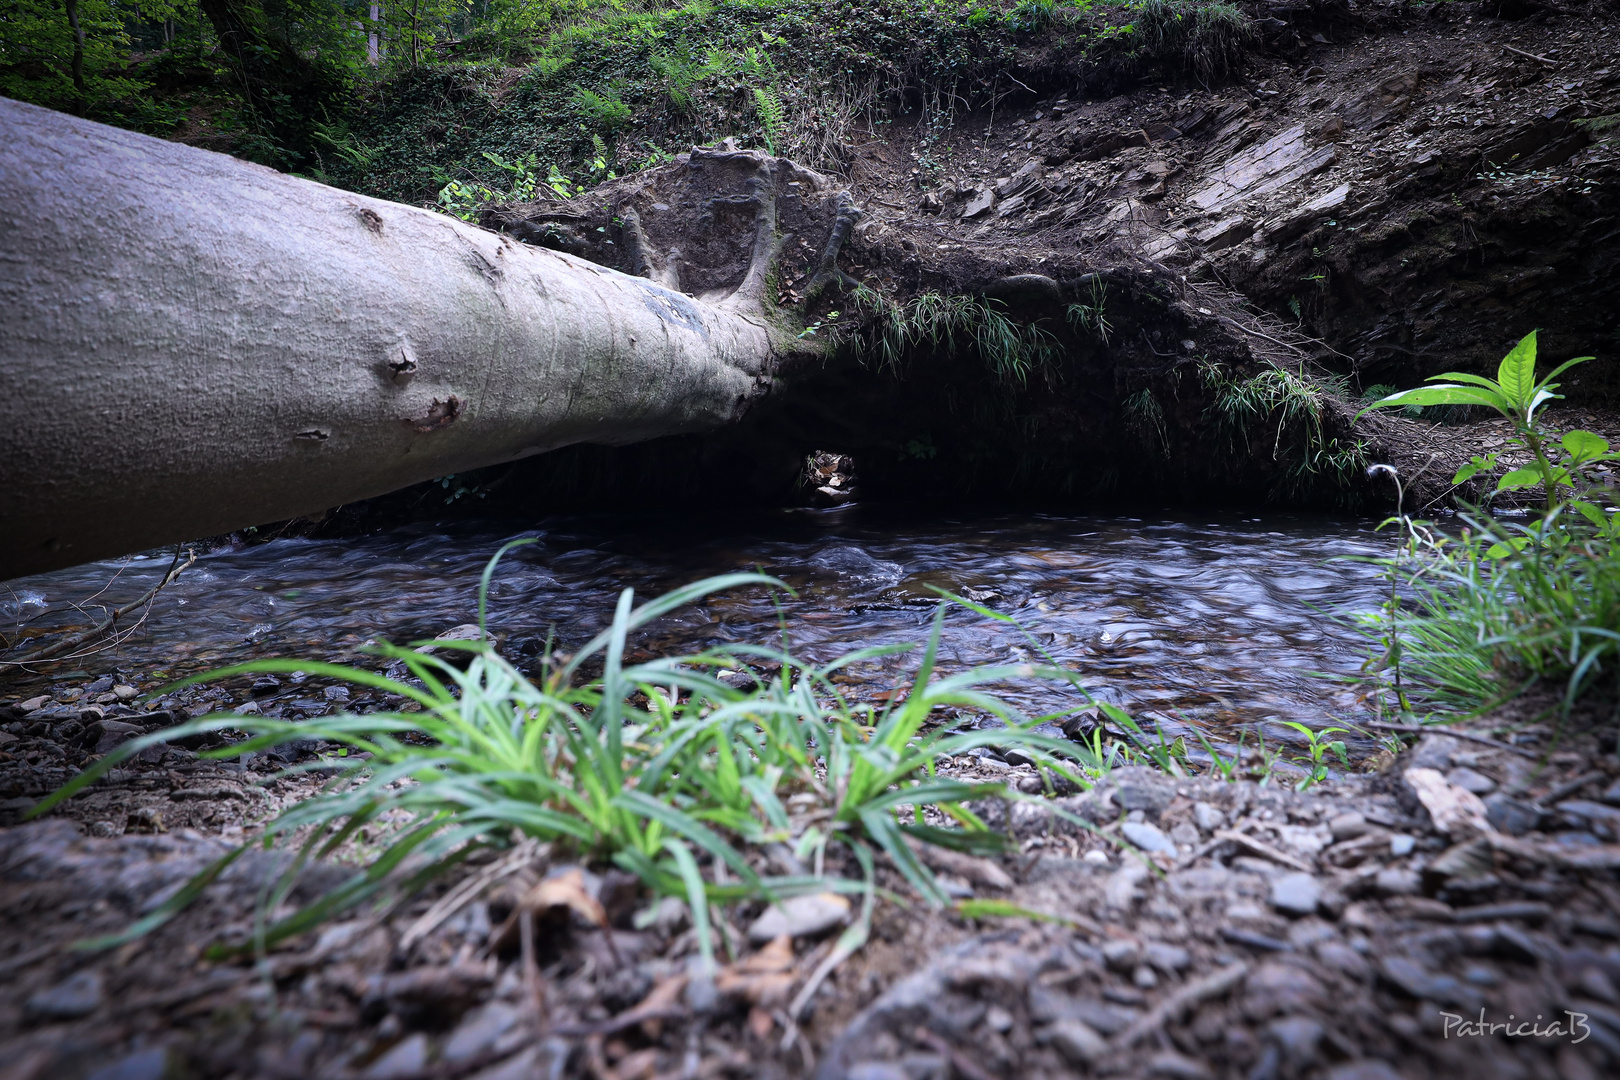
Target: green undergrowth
x,y
893,333
1484,609
664,768
808,79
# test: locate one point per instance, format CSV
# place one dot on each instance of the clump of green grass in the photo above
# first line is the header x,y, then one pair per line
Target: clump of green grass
x,y
1475,617
1292,407
661,768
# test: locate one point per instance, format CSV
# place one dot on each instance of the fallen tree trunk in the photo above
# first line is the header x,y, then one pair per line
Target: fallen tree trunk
x,y
194,344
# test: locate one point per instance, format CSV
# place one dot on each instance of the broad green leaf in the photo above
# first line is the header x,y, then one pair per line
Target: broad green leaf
x,y
1502,551
1591,513
1519,478
1517,374
1583,446
1444,394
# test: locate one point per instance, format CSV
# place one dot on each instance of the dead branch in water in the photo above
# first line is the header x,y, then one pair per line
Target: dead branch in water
x,y
73,641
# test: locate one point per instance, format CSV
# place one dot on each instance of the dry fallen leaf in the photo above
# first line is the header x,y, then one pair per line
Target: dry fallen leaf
x,y
1458,813
764,978
563,891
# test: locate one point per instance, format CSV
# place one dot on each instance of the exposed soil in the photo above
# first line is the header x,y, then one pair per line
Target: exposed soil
x,y
1389,193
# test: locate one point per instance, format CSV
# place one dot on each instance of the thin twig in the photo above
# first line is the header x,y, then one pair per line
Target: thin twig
x,y
1193,993
75,640
1531,56
1467,736
1569,788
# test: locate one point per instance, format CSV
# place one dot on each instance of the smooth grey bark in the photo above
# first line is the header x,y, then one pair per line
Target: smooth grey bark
x,y
193,344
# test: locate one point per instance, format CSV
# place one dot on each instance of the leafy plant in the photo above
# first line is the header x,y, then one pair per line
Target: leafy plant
x,y
604,111
659,767
1318,746
771,115
1516,394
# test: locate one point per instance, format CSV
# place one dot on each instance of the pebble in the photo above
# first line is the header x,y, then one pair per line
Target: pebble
x,y
1298,1038
1096,857
801,916
876,1070
1364,1070
1077,1042
1611,794
79,995
480,1031
1401,845
1472,781
1169,959
1144,978
1396,881
1296,894
1348,826
1208,817
1511,816
125,692
998,1019
1147,837
149,1064
1121,955
406,1059
1177,1066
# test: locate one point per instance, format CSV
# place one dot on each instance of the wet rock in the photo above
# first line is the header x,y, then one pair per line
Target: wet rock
x,y
78,995
1077,1042
104,736
801,916
1348,826
1296,894
1147,837
1471,781
406,1059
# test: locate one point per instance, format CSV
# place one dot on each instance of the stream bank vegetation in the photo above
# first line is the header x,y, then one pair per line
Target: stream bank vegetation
x,y
1481,614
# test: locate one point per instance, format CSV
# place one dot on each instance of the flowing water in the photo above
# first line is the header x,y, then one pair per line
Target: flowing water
x,y
1214,621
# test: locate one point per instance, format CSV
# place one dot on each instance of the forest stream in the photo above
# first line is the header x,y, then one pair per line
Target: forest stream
x,y
1218,621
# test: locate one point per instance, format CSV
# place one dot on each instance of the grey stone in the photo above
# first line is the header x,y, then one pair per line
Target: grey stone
x,y
149,1064
1295,894
1401,845
1298,1038
926,1066
1397,881
1208,817
1348,826
1509,815
1147,837
1593,812
1471,781
1336,954
1077,1042
407,1058
1185,834
1363,1070
980,201
76,996
1177,1066
1433,752
1122,956
800,916
1611,794
480,1030
1144,978
1169,959
1279,988
1139,788
876,1070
